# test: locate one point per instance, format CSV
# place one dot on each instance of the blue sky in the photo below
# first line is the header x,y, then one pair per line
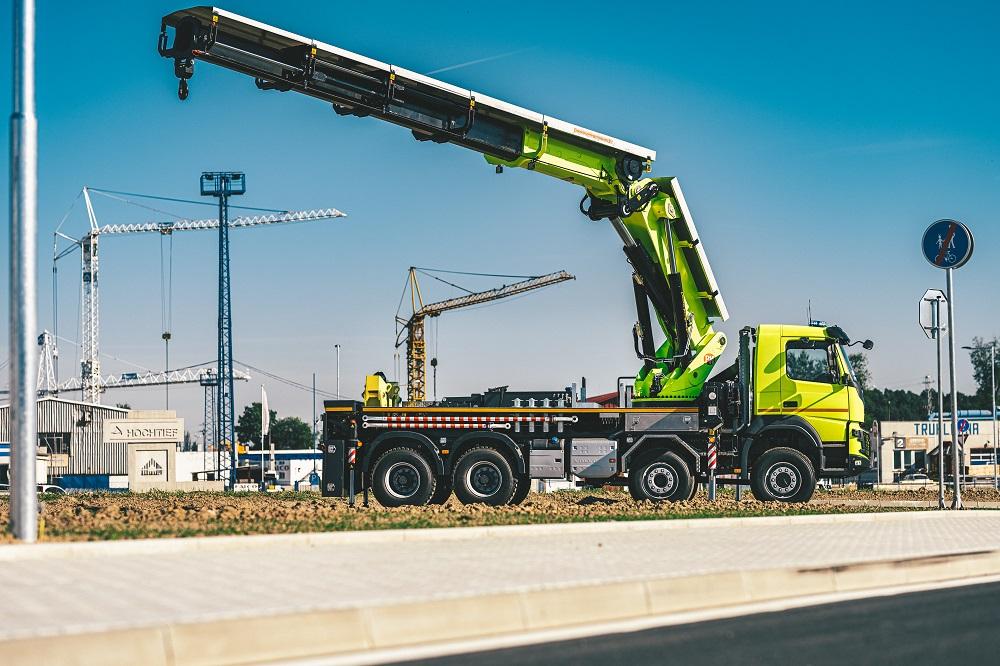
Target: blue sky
x,y
814,144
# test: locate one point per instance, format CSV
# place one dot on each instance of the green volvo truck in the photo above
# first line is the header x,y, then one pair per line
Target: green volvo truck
x,y
788,411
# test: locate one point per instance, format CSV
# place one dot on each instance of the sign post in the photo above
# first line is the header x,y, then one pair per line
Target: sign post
x,y
948,244
930,321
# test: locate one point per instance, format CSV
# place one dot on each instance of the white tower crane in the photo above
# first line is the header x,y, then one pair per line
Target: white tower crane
x,y
91,382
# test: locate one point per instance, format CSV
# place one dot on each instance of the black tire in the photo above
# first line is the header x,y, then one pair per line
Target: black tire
x,y
782,475
694,490
442,492
522,489
483,476
664,477
402,477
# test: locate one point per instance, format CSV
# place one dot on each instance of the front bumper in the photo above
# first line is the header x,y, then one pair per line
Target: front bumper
x,y
860,463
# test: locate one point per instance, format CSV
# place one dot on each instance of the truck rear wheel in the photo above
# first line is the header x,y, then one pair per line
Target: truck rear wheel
x,y
442,491
664,477
483,476
782,475
522,489
402,477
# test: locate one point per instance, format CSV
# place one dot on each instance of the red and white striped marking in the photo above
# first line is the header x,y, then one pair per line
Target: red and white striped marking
x,y
713,457
397,425
443,421
352,455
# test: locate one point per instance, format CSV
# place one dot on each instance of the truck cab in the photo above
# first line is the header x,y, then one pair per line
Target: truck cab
x,y
806,397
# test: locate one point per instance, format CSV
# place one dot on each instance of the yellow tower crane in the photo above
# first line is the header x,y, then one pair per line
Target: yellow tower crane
x,y
410,331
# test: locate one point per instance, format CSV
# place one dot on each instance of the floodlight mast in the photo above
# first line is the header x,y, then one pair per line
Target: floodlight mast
x,y
223,185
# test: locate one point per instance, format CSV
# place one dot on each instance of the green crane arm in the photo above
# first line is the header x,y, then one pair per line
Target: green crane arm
x,y
671,270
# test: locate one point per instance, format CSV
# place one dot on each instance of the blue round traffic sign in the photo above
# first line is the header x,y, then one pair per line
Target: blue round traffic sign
x,y
964,426
948,244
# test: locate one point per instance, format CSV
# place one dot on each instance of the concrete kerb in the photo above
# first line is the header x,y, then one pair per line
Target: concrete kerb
x,y
320,633
84,549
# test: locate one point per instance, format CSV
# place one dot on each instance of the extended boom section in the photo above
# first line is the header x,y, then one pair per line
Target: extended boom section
x,y
432,109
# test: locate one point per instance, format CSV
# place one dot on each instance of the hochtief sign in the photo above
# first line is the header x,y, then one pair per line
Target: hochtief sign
x,y
129,431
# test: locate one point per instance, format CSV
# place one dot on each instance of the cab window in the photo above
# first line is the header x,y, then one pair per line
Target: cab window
x,y
810,361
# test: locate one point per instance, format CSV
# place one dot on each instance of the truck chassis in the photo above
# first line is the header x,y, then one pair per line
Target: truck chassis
x,y
490,453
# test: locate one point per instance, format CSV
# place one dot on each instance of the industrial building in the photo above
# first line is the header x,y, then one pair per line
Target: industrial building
x,y
908,447
87,446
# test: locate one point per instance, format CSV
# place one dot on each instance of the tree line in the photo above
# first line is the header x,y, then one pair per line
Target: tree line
x,y
290,432
905,405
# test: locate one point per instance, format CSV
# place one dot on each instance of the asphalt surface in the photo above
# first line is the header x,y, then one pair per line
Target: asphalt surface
x,y
959,625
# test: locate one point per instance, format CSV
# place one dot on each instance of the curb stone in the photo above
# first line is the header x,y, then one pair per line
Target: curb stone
x,y
320,633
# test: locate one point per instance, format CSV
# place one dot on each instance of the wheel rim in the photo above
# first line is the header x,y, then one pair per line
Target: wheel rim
x,y
661,480
402,480
783,479
484,479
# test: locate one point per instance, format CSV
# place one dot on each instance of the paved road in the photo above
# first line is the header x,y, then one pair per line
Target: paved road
x,y
949,626
122,585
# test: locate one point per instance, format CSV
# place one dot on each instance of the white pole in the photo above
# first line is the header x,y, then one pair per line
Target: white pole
x,y
956,462
993,416
264,418
314,429
940,405
337,347
23,289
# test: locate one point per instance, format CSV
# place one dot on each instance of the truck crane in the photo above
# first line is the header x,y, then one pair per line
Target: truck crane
x,y
786,412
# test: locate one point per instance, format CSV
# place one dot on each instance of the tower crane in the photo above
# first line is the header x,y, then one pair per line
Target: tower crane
x,y
410,331
91,382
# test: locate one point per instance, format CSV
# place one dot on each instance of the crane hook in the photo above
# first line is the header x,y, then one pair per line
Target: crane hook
x,y
182,89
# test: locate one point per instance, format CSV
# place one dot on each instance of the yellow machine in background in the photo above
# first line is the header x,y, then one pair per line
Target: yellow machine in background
x,y
380,392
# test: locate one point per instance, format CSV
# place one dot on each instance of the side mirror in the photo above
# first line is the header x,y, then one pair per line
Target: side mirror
x,y
868,344
845,379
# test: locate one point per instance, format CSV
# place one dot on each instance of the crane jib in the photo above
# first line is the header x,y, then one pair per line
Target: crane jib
x,y
357,85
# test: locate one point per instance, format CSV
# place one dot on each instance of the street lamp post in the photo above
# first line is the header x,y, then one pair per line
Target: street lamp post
x,y
993,402
337,348
23,288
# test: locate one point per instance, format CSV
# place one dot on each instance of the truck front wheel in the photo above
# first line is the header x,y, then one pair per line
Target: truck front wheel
x,y
402,477
782,475
483,476
665,477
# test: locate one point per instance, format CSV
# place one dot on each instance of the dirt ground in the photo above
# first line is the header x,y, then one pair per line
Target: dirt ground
x,y
96,516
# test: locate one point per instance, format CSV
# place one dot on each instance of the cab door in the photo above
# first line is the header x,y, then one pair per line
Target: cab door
x,y
811,386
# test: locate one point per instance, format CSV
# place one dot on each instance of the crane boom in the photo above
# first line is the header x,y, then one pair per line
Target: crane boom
x,y
150,378
434,309
213,223
670,268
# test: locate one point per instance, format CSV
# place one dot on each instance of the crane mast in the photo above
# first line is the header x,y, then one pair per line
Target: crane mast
x,y
670,268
